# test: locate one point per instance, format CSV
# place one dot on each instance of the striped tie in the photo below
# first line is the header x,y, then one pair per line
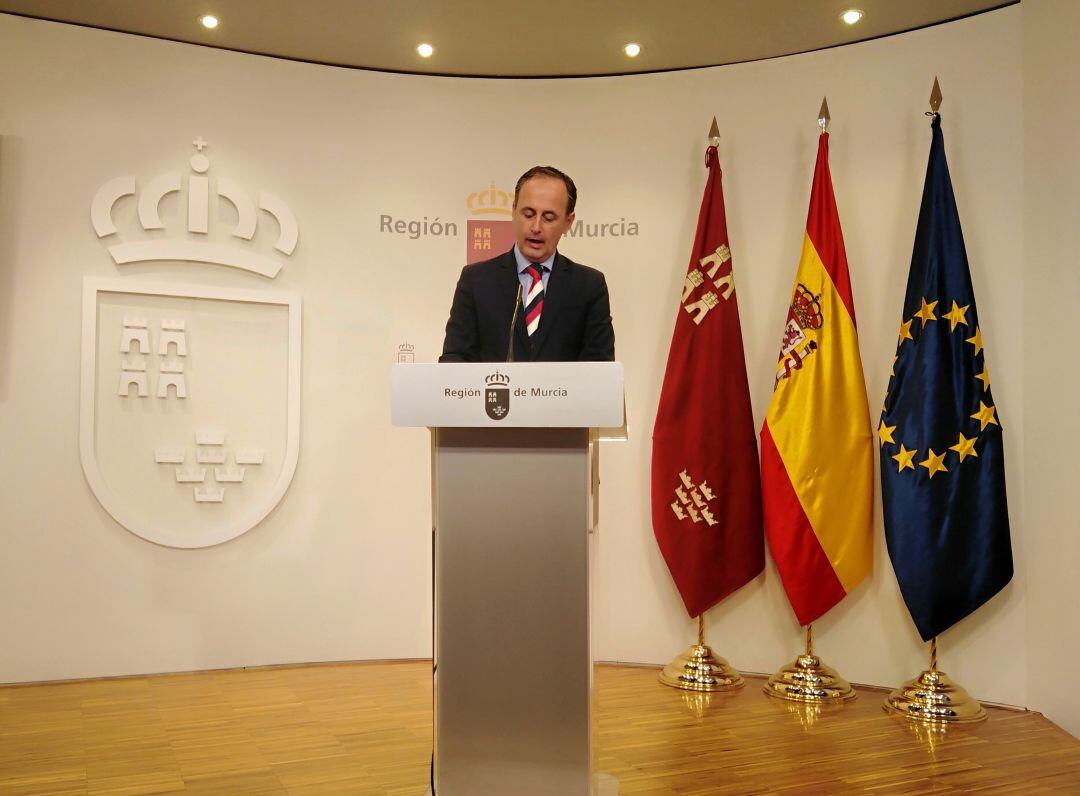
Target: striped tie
x,y
534,301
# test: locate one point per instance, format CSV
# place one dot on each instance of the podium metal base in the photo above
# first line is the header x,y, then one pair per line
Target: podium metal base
x,y
933,698
807,679
700,669
513,691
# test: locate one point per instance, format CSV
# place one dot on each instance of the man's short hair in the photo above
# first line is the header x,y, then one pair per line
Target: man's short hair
x,y
554,173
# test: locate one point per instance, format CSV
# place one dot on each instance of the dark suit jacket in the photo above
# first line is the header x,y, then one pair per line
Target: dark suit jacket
x,y
575,324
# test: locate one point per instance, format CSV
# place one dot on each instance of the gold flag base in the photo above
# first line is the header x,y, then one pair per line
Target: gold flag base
x,y
807,679
933,698
699,669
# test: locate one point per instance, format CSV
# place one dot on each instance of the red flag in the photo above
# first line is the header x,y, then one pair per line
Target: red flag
x,y
706,488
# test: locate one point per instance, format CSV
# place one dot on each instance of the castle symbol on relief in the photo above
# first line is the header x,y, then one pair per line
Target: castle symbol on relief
x,y
150,247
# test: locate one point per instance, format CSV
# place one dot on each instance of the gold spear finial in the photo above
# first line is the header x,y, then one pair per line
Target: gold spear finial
x,y
714,133
935,96
823,115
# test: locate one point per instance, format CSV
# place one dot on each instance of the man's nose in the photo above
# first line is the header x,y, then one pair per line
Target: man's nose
x,y
535,225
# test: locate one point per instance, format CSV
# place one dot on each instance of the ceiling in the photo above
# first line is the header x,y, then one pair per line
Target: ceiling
x,y
509,38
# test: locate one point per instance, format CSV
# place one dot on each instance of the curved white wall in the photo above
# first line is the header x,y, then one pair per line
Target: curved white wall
x,y
341,569
1051,381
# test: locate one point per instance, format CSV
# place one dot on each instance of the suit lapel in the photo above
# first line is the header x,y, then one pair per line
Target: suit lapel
x,y
559,286
506,289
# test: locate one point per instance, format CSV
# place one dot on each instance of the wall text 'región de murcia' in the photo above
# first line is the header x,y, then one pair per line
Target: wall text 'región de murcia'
x,y
415,229
435,228
614,229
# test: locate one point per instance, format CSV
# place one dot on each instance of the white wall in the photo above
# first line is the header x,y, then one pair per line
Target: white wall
x,y
341,569
1051,112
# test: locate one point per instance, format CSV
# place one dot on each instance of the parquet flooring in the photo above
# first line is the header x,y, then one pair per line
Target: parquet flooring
x,y
365,728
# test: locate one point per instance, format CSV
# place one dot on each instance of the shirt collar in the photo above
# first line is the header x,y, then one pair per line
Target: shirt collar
x,y
523,263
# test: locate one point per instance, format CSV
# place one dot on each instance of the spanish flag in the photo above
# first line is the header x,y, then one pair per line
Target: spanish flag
x,y
817,451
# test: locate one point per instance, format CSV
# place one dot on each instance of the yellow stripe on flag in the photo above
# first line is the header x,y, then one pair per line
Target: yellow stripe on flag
x,y
829,458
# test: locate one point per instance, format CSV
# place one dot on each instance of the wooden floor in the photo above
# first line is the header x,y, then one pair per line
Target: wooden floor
x,y
366,729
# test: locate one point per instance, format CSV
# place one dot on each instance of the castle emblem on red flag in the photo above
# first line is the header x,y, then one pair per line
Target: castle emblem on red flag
x,y
696,277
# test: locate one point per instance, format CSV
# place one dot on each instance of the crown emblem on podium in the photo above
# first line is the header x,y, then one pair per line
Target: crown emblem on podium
x,y
195,198
490,201
497,379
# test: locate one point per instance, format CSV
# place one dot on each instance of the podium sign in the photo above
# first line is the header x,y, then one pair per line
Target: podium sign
x,y
508,395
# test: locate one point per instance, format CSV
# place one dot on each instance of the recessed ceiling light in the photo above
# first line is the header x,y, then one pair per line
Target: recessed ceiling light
x,y
209,21
851,16
425,50
632,50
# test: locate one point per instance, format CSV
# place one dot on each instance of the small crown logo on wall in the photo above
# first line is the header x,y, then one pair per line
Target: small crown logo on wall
x,y
490,201
151,247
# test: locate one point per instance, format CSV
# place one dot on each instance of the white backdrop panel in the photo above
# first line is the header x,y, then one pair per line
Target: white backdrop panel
x,y
341,569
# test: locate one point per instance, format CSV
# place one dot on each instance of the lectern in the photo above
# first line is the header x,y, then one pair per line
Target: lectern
x,y
511,487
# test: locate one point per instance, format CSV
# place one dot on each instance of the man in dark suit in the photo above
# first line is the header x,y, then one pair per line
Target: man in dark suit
x,y
563,313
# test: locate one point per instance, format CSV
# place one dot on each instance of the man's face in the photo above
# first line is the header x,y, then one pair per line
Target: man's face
x,y
540,218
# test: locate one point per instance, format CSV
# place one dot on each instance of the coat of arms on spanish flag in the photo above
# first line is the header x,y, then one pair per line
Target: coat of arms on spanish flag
x,y
817,449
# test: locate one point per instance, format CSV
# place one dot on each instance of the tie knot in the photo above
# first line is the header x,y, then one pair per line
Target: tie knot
x,y
535,270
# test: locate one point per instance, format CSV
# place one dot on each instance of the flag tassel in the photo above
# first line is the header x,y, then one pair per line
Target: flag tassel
x,y
701,669
808,679
933,698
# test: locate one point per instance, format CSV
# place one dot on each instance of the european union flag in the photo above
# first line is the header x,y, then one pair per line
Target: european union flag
x,y
942,459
